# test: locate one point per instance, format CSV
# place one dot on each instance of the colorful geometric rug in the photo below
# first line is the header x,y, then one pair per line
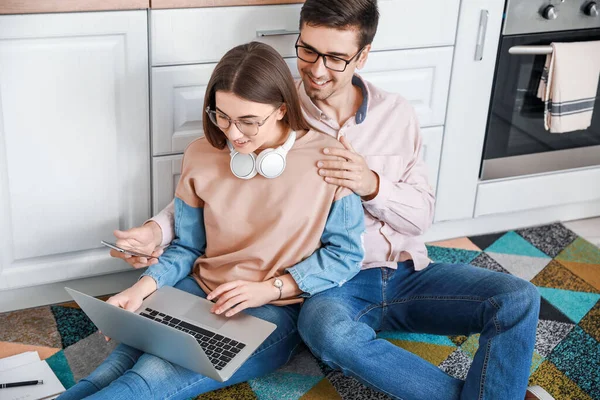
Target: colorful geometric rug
x,y
566,362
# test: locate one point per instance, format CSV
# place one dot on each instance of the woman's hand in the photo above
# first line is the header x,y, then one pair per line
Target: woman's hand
x,y
238,295
128,299
131,299
143,239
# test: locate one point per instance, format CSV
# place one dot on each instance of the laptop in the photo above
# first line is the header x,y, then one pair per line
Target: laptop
x,y
179,327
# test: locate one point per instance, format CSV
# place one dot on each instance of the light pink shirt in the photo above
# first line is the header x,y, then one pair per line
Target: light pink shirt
x,y
385,131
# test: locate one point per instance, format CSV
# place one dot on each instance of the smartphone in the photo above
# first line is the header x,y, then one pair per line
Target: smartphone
x,y
125,251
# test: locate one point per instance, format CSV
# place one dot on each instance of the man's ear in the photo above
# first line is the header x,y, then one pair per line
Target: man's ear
x,y
364,56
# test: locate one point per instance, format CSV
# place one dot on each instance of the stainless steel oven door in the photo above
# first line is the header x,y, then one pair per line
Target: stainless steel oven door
x,y
516,140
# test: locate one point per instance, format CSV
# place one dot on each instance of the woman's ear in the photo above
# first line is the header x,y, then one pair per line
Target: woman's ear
x,y
281,112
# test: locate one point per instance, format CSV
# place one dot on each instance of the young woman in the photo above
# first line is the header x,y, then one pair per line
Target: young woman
x,y
256,227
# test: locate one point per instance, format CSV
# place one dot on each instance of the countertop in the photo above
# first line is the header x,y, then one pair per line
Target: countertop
x,y
216,3
52,6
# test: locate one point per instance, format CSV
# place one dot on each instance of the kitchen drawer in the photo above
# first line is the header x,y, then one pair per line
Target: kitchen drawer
x,y
165,176
407,24
432,150
203,35
537,191
177,101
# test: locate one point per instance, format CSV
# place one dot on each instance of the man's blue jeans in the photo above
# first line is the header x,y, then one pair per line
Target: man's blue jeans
x,y
131,374
340,325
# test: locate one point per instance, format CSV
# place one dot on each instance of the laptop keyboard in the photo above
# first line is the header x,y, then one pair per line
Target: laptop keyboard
x,y
219,349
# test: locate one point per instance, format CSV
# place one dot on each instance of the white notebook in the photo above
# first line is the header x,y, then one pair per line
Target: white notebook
x,y
20,359
36,370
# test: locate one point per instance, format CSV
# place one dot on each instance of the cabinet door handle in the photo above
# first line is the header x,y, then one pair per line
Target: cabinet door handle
x,y
483,22
277,32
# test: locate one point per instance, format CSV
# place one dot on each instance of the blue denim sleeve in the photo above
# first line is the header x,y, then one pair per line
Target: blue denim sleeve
x,y
190,243
340,257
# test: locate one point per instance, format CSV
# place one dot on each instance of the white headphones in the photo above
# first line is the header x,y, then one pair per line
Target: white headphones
x,y
270,163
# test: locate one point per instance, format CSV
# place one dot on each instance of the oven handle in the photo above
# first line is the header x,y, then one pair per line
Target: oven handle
x,y
530,50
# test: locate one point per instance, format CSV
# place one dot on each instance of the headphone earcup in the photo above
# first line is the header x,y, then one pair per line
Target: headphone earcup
x,y
270,163
243,165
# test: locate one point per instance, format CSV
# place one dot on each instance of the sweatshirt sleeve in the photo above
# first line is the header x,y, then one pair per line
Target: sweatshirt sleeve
x,y
190,243
165,219
340,256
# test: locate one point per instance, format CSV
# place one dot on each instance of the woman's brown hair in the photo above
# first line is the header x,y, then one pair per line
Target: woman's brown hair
x,y
254,72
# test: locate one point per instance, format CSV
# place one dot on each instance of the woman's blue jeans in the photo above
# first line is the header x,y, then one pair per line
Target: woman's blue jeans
x,y
340,325
128,373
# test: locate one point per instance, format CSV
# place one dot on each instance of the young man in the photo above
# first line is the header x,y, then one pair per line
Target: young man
x,y
398,288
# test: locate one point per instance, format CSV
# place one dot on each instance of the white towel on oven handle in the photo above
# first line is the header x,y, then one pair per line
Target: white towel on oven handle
x,y
569,86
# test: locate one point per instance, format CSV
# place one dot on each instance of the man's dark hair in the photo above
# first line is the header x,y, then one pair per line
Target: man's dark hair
x,y
343,14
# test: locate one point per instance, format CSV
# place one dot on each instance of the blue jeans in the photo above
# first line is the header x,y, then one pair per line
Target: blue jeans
x,y
128,373
442,299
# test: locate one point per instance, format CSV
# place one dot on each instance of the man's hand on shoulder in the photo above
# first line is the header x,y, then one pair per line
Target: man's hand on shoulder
x,y
353,173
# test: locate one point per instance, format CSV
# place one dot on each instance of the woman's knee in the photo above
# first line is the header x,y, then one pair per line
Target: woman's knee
x,y
152,375
117,363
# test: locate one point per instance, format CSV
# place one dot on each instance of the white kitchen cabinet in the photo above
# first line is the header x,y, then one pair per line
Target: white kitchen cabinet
x,y
166,172
409,24
177,106
432,150
468,105
204,35
420,76
74,142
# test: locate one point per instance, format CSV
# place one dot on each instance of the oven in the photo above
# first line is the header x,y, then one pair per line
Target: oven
x,y
516,142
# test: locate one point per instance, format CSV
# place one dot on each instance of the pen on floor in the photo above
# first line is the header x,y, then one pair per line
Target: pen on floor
x,y
17,384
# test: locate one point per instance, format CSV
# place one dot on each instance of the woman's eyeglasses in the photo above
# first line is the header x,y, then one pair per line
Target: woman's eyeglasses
x,y
246,127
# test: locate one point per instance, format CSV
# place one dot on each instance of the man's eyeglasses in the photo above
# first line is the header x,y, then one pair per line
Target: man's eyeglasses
x,y
247,127
334,63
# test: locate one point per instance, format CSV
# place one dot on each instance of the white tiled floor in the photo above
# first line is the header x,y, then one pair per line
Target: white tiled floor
x,y
589,229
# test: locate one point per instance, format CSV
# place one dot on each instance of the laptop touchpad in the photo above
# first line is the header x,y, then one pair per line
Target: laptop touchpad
x,y
200,312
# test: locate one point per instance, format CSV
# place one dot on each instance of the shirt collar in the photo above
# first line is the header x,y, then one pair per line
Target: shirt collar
x,y
361,114
316,112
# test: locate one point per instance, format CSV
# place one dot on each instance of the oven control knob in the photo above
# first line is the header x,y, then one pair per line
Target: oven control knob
x,y
550,13
592,9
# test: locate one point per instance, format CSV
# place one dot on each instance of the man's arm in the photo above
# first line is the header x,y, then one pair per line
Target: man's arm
x,y
165,220
407,205
340,257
